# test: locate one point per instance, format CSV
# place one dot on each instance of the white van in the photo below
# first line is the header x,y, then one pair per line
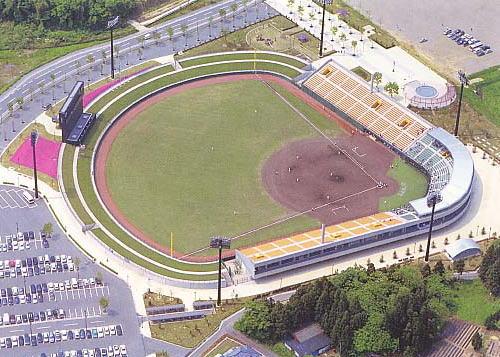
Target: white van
x,y
28,197
5,318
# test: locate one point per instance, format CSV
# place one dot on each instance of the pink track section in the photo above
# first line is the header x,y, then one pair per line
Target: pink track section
x,y
93,94
47,154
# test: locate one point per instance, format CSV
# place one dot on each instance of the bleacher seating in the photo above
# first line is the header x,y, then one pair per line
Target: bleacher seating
x,y
431,156
343,89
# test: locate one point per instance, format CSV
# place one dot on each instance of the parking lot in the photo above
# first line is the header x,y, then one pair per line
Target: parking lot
x,y
50,293
12,198
413,20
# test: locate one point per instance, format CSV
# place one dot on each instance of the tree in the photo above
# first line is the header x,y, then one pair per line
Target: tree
x,y
20,102
370,268
77,262
170,34
334,30
256,321
425,270
290,5
373,337
439,268
342,38
377,78
184,29
245,4
477,342
141,40
392,88
459,266
300,10
234,7
48,229
103,56
492,320
222,14
312,16
90,60
157,37
104,303
353,45
489,270
10,108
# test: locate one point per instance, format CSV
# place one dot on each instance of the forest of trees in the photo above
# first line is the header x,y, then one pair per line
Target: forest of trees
x,y
66,14
489,271
395,310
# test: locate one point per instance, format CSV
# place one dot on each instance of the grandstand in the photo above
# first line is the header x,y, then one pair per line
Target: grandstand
x,y
375,112
441,156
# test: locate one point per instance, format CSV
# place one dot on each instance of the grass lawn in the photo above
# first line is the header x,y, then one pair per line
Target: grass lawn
x,y
412,185
15,63
474,303
242,56
363,73
203,188
191,333
237,40
281,350
489,106
223,346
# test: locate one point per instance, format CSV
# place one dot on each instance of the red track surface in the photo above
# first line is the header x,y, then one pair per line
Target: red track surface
x,y
114,131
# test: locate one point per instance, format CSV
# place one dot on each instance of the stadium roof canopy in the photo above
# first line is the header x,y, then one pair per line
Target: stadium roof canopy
x,y
462,249
461,177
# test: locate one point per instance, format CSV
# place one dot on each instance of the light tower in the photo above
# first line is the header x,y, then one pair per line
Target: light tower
x,y
220,243
34,138
463,81
111,25
432,200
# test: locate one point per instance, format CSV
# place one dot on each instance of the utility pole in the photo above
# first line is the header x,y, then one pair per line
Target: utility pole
x,y
34,138
463,81
325,2
220,243
111,25
431,202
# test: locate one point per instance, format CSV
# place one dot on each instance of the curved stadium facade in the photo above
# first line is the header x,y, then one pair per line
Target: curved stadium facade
x,y
439,155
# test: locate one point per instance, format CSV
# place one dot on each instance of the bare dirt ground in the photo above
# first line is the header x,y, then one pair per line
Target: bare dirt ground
x,y
316,177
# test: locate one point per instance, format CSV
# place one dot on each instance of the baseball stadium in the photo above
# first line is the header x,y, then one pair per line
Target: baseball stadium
x,y
295,164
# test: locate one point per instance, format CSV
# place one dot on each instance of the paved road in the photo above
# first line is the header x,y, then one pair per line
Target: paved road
x,y
202,26
81,305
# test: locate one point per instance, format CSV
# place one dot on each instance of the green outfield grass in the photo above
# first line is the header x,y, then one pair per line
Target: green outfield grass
x,y
412,185
190,189
489,106
84,162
